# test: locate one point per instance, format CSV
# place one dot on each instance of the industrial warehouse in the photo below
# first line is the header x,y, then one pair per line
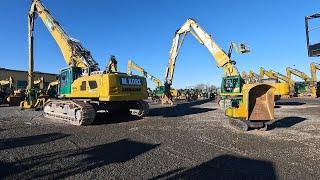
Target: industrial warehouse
x,y
20,78
255,117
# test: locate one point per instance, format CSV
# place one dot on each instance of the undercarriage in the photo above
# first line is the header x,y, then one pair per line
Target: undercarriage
x,y
82,112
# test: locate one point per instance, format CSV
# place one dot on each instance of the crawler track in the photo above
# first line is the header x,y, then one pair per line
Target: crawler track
x,y
74,112
140,109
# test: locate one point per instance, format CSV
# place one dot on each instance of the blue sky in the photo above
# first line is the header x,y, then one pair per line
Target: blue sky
x,y
142,30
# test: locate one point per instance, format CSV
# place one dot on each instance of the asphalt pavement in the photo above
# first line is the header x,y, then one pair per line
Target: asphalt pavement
x,y
186,141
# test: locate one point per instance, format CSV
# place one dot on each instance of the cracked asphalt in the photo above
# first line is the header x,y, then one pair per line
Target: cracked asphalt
x,y
187,141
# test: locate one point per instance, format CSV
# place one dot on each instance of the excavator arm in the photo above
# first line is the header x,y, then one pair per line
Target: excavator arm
x,y
281,88
244,76
254,77
307,87
280,76
73,52
263,72
75,55
191,26
314,67
132,65
315,89
298,73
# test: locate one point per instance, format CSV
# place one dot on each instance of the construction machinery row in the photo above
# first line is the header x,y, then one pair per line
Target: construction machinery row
x,y
83,89
285,85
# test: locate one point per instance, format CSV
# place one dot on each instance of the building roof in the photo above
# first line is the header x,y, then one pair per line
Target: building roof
x,y
37,72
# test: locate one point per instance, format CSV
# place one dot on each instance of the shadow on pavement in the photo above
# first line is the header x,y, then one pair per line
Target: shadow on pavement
x,y
63,164
105,118
286,122
30,140
290,103
180,109
226,167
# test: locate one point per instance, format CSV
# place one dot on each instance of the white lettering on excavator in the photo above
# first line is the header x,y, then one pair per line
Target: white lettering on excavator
x,y
131,81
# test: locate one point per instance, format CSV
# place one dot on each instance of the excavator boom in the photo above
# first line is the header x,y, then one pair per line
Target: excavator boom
x,y
301,88
315,88
131,65
280,76
298,73
254,77
191,26
73,52
314,67
282,89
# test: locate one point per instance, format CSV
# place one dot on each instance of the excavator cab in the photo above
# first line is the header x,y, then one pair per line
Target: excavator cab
x,y
313,48
244,48
66,78
231,84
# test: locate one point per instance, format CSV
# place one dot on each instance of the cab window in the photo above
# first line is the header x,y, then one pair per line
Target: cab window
x,y
93,84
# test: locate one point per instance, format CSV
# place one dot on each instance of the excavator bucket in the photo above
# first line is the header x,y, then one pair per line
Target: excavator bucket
x,y
257,103
259,100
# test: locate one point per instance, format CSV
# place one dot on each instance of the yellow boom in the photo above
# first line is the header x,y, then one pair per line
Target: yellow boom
x,y
314,88
132,65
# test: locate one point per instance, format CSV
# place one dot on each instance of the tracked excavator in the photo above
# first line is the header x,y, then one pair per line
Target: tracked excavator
x,y
244,76
158,92
12,96
253,77
53,89
282,89
282,78
6,89
248,105
250,77
83,88
301,88
6,84
315,90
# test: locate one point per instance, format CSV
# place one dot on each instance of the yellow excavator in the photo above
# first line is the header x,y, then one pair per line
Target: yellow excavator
x,y
280,77
132,65
315,88
7,83
253,104
244,76
6,89
39,83
250,77
83,88
301,88
253,77
9,94
158,92
282,89
53,89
